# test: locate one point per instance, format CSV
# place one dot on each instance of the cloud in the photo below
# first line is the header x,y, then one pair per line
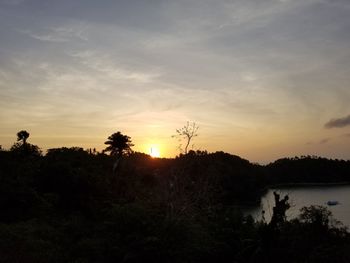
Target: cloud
x,y
324,141
338,123
59,34
49,38
100,62
13,2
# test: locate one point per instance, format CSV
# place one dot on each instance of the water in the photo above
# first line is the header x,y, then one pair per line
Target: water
x,y
306,196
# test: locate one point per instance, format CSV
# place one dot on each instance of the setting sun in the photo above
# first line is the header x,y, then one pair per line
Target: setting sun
x,y
154,152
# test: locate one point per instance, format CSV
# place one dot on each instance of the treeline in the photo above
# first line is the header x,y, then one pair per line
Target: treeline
x,y
309,169
73,205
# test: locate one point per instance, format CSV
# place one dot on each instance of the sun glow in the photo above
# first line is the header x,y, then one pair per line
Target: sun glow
x,y
154,152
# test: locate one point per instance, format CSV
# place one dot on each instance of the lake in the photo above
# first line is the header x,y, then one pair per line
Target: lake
x,y
306,196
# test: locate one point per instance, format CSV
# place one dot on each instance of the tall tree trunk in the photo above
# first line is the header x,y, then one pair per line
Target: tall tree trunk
x,y
116,165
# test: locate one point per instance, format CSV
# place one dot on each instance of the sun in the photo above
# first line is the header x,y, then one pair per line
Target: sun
x,y
154,152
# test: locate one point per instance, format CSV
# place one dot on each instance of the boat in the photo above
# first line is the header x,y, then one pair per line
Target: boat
x,y
332,202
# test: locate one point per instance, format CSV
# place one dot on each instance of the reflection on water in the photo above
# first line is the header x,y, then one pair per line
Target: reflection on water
x,y
306,196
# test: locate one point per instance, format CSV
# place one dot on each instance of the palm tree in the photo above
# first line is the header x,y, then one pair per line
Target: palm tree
x,y
22,136
118,145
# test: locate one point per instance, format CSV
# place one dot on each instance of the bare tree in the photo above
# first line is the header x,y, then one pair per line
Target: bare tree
x,y
186,134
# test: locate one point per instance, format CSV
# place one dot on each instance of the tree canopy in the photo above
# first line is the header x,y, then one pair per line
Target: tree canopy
x,y
118,144
22,136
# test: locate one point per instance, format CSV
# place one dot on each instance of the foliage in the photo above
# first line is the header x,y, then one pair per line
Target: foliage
x,y
26,150
22,136
66,207
309,169
119,144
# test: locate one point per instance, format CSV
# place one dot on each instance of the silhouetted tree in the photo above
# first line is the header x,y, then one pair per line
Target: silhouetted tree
x,y
23,148
186,133
316,215
118,145
279,210
22,136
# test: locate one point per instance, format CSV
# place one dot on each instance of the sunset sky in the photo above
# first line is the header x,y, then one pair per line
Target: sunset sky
x,y
263,79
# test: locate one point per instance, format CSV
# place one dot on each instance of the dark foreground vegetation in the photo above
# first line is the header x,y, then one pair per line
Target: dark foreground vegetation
x,y
72,205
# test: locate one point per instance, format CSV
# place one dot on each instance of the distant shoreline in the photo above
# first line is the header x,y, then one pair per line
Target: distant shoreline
x,y
304,184
291,185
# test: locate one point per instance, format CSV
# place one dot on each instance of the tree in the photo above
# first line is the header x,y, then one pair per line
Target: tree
x,y
279,210
118,145
22,136
316,215
186,133
23,148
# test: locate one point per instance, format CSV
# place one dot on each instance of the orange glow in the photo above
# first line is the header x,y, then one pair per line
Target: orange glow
x,y
154,152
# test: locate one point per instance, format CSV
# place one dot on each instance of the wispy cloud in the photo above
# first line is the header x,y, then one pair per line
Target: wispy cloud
x,y
338,122
100,62
13,2
49,38
59,34
324,141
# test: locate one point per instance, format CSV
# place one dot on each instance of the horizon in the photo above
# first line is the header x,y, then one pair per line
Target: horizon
x,y
154,152
262,79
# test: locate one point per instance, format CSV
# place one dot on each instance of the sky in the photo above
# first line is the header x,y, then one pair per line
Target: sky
x,y
262,79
